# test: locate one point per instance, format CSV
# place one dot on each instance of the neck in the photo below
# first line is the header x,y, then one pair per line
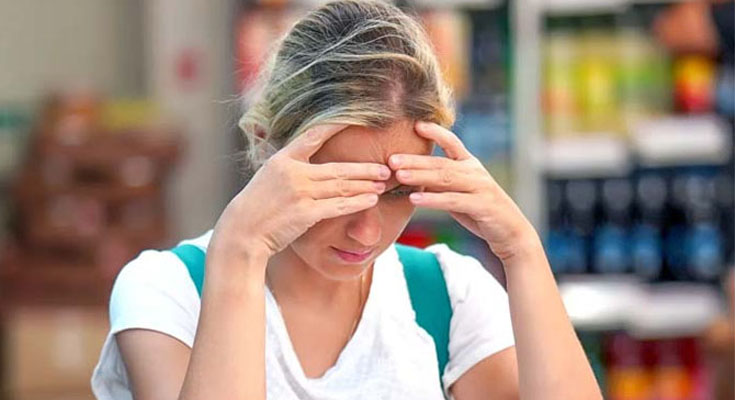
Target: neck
x,y
293,281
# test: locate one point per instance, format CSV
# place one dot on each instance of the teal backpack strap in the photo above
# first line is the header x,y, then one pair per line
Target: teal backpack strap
x,y
429,297
193,257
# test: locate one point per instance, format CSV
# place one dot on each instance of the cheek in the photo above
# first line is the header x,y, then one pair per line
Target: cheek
x,y
316,235
396,214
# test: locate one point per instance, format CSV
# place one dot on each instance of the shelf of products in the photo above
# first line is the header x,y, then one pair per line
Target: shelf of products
x,y
87,195
637,168
646,311
634,151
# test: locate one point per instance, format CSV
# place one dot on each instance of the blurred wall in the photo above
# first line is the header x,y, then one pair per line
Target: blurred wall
x,y
70,43
190,70
176,52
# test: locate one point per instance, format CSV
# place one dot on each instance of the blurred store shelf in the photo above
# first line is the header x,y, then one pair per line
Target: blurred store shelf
x,y
578,7
661,142
675,309
587,157
88,194
685,140
646,311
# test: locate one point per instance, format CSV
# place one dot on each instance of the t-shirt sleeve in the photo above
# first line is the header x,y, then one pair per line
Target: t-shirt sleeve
x,y
155,292
481,324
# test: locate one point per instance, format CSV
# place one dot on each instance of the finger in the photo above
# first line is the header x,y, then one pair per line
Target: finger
x,y
414,161
447,201
367,171
309,142
345,188
436,179
338,206
446,139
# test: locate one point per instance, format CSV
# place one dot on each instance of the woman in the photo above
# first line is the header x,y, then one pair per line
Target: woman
x,y
304,295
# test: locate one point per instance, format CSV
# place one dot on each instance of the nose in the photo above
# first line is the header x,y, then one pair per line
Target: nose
x,y
365,227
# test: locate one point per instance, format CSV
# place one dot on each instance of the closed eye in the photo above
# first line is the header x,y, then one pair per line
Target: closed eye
x,y
400,191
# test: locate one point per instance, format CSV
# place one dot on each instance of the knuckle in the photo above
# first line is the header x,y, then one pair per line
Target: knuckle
x,y
343,187
446,176
340,172
342,206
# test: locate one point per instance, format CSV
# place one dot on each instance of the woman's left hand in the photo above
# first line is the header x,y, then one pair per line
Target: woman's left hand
x,y
460,185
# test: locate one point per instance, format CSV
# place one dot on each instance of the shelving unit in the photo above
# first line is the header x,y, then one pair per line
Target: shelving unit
x,y
620,317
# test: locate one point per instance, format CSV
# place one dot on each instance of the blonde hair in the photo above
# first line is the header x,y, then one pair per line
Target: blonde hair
x,y
355,62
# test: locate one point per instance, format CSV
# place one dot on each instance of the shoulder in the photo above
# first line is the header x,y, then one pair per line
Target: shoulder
x,y
157,268
154,291
465,274
481,324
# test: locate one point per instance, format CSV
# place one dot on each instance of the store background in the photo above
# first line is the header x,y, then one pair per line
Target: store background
x,y
118,133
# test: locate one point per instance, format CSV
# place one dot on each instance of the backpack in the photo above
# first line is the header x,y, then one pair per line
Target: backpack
x,y
426,288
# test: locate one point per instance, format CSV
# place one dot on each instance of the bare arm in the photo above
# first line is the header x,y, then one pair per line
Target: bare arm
x,y
228,358
495,377
155,363
551,361
229,346
548,361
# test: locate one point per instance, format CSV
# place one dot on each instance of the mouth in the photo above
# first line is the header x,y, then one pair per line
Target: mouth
x,y
352,256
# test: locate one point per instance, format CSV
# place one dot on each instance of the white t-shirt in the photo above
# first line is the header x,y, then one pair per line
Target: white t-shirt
x,y
389,356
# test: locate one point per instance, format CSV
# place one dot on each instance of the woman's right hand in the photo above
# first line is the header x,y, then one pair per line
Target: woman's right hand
x,y
288,195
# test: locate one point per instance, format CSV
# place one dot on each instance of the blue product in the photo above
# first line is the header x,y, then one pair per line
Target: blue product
x,y
484,131
704,250
609,250
646,251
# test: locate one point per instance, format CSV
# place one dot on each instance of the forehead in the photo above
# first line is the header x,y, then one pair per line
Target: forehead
x,y
364,144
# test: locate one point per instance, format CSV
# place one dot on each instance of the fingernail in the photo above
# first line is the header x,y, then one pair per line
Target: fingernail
x,y
379,186
396,160
403,174
422,124
416,196
384,172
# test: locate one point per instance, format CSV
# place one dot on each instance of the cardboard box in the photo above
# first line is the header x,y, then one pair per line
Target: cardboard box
x,y
50,352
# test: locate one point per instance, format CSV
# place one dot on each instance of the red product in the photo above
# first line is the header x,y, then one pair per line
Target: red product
x,y
694,83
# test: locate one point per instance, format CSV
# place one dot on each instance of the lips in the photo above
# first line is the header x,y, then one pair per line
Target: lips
x,y
353,256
